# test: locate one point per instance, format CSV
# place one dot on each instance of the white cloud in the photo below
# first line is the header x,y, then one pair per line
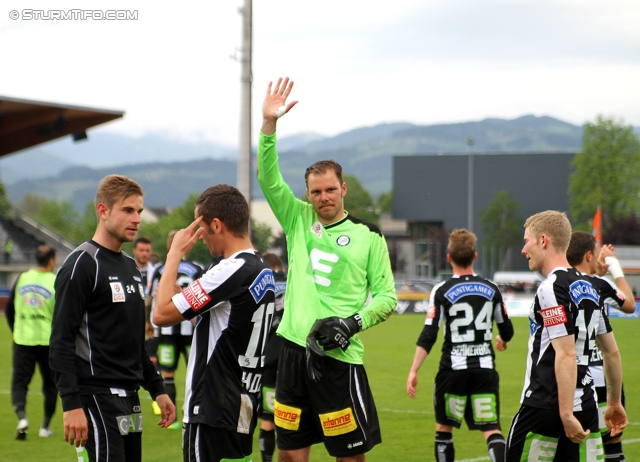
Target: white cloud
x,y
355,63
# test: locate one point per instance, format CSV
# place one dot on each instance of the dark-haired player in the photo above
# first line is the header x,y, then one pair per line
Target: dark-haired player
x,y
233,304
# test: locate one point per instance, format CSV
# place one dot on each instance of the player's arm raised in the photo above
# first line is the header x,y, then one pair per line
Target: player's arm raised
x,y
607,261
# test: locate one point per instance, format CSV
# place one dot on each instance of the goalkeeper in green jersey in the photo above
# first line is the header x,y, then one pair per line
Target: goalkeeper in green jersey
x,y
336,262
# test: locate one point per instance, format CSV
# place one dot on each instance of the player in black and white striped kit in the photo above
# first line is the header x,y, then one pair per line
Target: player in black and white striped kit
x,y
97,339
583,255
558,418
233,304
466,386
272,350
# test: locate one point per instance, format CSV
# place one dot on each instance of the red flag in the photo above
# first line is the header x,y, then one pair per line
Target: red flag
x,y
597,226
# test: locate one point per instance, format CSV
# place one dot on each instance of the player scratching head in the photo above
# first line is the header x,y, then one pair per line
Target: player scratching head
x,y
225,220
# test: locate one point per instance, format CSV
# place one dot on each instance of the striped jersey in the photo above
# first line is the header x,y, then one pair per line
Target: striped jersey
x,y
187,273
467,306
611,298
274,343
233,304
566,303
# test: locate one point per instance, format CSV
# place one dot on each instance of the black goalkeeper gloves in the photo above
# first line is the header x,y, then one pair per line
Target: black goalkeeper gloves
x,y
330,333
335,332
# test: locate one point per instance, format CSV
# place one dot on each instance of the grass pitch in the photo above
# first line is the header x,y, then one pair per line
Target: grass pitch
x,y
407,425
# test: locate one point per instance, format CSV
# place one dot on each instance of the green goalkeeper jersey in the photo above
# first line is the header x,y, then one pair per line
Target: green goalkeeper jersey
x,y
332,268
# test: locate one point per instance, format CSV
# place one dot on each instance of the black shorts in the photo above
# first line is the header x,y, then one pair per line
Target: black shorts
x,y
338,411
170,347
538,434
115,426
204,443
470,395
601,396
265,407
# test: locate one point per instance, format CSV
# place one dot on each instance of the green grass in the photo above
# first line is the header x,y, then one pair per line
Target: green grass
x,y
407,425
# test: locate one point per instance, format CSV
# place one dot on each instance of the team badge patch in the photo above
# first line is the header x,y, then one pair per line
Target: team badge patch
x,y
117,292
338,423
343,240
33,301
553,316
317,229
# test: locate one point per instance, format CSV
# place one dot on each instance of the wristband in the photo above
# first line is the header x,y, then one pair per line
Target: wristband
x,y
356,317
614,267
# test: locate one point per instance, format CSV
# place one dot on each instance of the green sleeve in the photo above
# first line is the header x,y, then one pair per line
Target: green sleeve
x,y
380,278
279,196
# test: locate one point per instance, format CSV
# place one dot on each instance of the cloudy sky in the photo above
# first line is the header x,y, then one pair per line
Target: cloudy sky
x,y
354,62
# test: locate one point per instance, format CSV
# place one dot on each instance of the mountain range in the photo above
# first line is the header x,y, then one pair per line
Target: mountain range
x,y
169,170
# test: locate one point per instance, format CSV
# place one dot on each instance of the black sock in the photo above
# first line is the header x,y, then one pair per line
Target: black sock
x,y
46,422
21,414
444,447
170,388
267,444
613,452
497,447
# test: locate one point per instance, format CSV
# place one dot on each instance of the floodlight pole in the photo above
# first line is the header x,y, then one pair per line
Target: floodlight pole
x,y
470,186
244,147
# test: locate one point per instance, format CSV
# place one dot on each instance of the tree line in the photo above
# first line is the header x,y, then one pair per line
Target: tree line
x,y
61,217
605,174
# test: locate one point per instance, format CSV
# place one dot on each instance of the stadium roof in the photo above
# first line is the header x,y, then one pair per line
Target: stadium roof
x,y
26,123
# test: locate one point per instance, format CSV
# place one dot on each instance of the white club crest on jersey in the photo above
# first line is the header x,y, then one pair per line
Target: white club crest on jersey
x,y
343,240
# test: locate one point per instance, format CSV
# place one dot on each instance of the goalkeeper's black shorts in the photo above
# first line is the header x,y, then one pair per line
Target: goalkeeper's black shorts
x,y
338,410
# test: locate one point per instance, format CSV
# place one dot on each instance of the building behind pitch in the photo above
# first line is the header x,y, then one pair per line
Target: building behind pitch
x,y
431,192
